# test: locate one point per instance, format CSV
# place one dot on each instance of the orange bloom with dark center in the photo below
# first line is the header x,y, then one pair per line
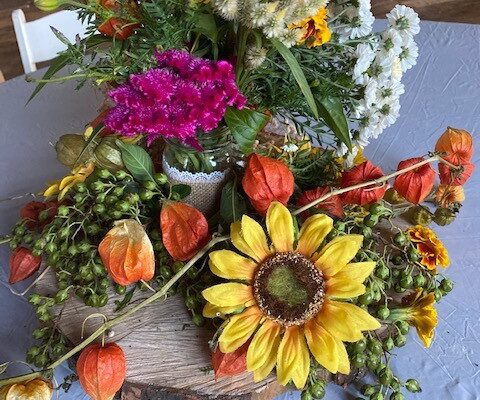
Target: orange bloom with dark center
x,y
332,206
414,186
267,180
363,172
127,253
431,249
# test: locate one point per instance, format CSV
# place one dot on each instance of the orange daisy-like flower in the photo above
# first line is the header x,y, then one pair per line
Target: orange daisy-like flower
x,y
431,249
314,29
288,295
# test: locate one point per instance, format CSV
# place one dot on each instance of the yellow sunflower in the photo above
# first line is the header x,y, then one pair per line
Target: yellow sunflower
x,y
289,295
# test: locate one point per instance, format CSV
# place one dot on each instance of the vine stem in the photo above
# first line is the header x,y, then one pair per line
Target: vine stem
x,y
379,181
115,321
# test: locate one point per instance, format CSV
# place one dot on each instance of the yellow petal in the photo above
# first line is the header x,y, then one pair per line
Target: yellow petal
x,y
65,190
238,329
313,233
322,345
343,288
229,294
261,373
230,265
343,360
336,254
292,356
260,348
51,190
239,241
253,234
280,227
338,322
357,272
66,181
213,311
362,319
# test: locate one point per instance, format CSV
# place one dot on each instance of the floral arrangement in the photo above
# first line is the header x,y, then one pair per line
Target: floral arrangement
x,y
232,134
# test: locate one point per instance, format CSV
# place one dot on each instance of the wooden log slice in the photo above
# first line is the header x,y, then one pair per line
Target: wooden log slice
x,y
167,356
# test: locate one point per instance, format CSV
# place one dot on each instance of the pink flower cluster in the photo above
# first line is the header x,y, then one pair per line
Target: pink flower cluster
x,y
185,95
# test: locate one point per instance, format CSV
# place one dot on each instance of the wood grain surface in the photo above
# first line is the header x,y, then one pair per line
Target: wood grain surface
x,y
435,10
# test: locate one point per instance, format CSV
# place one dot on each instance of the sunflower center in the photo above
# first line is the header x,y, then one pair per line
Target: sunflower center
x,y
289,288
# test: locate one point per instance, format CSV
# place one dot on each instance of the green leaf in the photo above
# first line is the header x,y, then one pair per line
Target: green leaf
x,y
57,64
120,305
297,74
90,145
206,25
245,125
232,203
331,111
137,161
182,190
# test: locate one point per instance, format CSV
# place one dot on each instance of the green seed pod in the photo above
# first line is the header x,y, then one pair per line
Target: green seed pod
x,y
413,254
382,272
160,178
397,260
403,327
149,185
107,155
146,195
443,216
388,344
306,396
318,390
377,396
58,350
122,206
61,296
120,175
419,281
69,148
111,199
198,320
360,346
373,361
446,285
120,289
400,340
370,220
98,209
368,390
377,209
383,312
400,239
366,298
412,386
118,191
366,231
420,216
375,346
438,295
97,186
406,282
359,360
397,396
165,272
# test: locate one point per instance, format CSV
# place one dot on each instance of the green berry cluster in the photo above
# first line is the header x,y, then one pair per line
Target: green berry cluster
x,y
51,346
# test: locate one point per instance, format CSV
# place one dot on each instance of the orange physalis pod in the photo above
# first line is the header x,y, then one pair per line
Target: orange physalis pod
x,y
23,264
363,172
101,370
267,180
230,364
332,206
415,185
127,253
184,230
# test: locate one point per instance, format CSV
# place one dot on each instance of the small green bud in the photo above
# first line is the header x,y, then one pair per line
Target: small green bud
x,y
383,312
400,340
318,390
419,281
359,360
398,260
412,386
97,186
360,346
149,185
122,206
98,209
397,396
413,254
33,351
446,285
61,296
377,396
104,174
366,298
161,178
120,175
370,220
368,390
63,211
120,289
198,320
400,239
443,216
388,344
403,327
306,396
438,295
406,282
146,195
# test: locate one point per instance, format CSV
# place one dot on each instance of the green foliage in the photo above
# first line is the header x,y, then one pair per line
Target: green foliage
x,y
245,125
137,161
232,203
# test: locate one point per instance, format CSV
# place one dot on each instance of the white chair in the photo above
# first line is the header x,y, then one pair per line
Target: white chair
x,y
37,42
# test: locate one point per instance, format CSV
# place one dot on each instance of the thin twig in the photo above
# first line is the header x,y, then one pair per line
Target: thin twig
x,y
21,294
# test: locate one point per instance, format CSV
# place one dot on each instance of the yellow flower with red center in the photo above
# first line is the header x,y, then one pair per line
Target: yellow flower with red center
x,y
314,29
420,313
289,295
62,186
448,194
431,249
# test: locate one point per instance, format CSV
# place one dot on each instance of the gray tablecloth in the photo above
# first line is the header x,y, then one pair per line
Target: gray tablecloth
x,y
443,89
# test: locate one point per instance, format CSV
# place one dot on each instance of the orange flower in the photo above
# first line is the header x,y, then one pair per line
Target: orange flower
x,y
363,172
447,194
333,205
101,370
457,144
267,180
184,230
127,253
430,248
417,184
420,313
314,29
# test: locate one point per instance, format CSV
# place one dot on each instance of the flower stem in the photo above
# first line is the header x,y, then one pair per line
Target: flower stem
x,y
378,181
115,321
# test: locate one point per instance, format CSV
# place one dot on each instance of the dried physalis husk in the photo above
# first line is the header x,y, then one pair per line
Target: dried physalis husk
x,y
69,150
107,154
36,389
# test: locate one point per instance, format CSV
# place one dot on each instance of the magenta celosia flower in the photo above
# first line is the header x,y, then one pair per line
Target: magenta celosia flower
x,y
183,96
